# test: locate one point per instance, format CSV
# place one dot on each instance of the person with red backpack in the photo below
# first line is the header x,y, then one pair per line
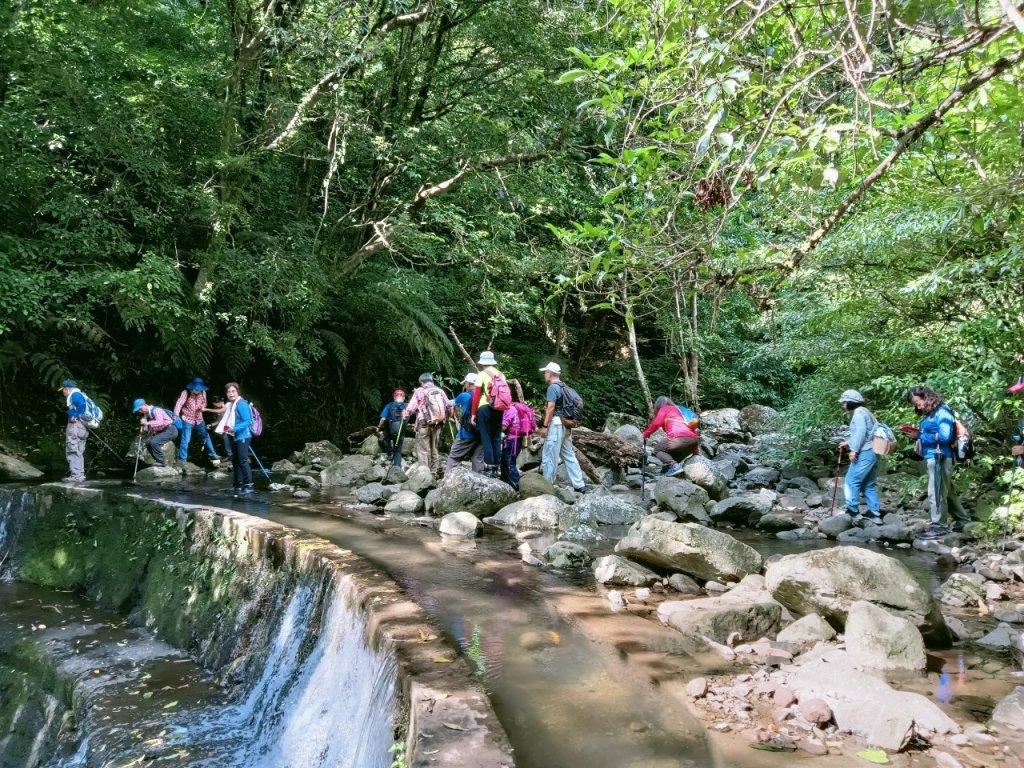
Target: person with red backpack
x,y
429,406
681,438
491,398
518,423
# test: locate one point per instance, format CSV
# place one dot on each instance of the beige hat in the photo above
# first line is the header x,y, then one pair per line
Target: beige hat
x,y
554,368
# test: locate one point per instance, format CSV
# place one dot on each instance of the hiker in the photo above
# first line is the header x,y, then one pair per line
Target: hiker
x,y
159,422
1017,451
392,426
517,423
558,434
189,408
486,418
467,440
860,477
429,403
235,424
935,437
681,439
75,434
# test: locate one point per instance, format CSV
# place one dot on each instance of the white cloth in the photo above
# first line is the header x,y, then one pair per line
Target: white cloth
x,y
228,419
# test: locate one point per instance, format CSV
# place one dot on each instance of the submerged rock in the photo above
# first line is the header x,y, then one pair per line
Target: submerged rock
x,y
830,581
612,569
463,490
692,549
878,639
156,474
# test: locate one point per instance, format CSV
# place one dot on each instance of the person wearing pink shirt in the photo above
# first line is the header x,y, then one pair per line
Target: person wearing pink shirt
x,y
681,440
159,422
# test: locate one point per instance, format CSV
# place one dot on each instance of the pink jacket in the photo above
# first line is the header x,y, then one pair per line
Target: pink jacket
x,y
510,423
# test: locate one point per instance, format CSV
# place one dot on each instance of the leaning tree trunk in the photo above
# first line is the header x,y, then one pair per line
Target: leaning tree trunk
x,y
634,352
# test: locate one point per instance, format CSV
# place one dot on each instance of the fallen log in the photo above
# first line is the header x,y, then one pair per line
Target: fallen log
x,y
587,466
607,450
356,438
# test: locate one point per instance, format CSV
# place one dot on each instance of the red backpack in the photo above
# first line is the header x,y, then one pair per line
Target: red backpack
x,y
500,394
527,419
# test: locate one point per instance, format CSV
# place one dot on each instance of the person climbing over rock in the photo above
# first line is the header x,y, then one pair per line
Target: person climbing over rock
x,y
860,477
159,423
485,417
467,443
935,437
681,439
189,408
75,434
559,419
429,405
235,424
393,426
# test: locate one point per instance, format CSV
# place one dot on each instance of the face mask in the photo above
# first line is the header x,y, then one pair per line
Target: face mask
x,y
399,399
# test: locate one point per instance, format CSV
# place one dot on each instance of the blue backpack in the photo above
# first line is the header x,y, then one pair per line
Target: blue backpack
x,y
175,418
692,418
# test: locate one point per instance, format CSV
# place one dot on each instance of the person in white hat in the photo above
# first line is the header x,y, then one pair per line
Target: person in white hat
x,y
860,477
484,417
467,439
558,435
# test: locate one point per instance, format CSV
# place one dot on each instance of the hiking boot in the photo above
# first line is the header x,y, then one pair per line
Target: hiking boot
x,y
246,491
215,460
674,470
73,480
869,519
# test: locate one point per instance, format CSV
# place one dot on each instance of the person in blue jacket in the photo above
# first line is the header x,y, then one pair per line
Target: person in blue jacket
x,y
236,426
860,477
935,436
75,435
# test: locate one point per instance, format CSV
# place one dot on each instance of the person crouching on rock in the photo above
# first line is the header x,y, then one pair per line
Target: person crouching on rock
x,y
235,426
860,477
160,424
681,440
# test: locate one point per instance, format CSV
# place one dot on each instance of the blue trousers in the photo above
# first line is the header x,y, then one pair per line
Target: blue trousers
x,y
860,478
186,436
509,454
489,422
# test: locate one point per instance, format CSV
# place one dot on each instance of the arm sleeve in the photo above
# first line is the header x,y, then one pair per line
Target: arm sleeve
x,y
478,391
659,419
181,402
243,416
858,430
384,413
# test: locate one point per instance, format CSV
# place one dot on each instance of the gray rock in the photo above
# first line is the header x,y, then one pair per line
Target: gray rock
x,y
348,471
758,419
745,509
683,584
1009,713
404,503
723,424
891,731
302,481
615,420
799,534
773,523
394,475
537,512
462,524
322,453
1000,638
830,581
686,500
962,589
761,477
154,474
419,479
888,533
301,494
535,484
603,507
429,500
372,493
835,525
810,629
630,433
706,475
612,569
371,446
718,618
878,639
463,490
726,469
692,549
793,501
192,470
284,466
567,555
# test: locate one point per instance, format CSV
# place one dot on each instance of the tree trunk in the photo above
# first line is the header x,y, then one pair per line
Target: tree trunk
x,y
634,352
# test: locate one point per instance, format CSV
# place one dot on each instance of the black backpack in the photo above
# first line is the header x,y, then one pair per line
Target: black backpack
x,y
396,414
569,404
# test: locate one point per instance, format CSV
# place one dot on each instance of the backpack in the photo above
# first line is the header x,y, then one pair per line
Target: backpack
x,y
396,415
527,419
571,404
883,439
175,418
500,394
256,425
93,414
963,441
691,417
436,408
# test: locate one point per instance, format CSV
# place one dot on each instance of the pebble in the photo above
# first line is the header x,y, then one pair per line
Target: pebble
x,y
697,688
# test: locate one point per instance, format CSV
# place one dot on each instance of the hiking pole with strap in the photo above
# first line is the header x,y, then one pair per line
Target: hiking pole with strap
x,y
106,445
835,487
138,453
259,463
643,473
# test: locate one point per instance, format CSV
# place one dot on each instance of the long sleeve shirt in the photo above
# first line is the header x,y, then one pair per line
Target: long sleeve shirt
x,y
937,431
417,405
510,423
671,419
190,406
76,405
158,420
861,429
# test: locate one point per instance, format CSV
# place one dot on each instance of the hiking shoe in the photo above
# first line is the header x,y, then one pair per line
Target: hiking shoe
x,y
246,491
215,460
73,480
934,531
870,519
674,470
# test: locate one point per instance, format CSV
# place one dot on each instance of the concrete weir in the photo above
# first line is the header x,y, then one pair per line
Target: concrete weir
x,y
301,653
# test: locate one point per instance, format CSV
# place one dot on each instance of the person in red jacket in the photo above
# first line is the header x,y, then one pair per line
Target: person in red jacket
x,y
681,440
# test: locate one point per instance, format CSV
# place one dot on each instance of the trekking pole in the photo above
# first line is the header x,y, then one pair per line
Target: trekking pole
x,y
835,487
106,445
643,472
259,463
138,453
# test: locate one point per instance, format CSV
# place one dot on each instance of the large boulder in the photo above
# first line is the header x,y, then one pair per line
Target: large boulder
x,y
538,512
603,507
744,509
830,581
708,476
463,490
13,468
723,424
462,524
535,484
567,555
1010,711
758,419
878,639
612,569
371,446
348,471
322,453
404,503
686,500
630,434
155,475
719,617
962,589
691,549
418,479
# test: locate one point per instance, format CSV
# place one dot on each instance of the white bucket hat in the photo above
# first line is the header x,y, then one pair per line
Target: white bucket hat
x,y
487,358
470,378
554,368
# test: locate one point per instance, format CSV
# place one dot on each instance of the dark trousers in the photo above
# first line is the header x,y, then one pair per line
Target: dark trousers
x,y
240,461
156,443
489,422
393,444
509,453
675,449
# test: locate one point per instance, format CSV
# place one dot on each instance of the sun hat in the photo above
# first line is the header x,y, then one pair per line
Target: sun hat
x,y
1013,389
470,378
851,396
487,358
425,377
67,384
196,385
137,405
398,393
554,368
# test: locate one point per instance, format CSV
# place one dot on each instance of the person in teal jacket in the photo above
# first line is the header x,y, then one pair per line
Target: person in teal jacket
x,y
935,436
